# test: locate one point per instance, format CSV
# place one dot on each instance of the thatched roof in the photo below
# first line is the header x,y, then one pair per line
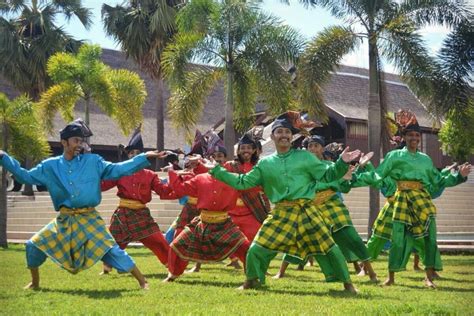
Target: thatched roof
x,y
345,94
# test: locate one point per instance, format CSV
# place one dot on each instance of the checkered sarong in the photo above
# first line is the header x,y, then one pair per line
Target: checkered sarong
x,y
206,242
415,209
127,225
383,224
295,228
187,214
335,213
75,242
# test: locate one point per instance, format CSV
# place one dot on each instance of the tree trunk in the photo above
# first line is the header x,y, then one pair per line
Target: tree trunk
x,y
160,120
374,126
3,195
229,132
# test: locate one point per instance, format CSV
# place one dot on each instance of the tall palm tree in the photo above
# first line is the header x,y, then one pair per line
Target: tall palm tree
x,y
119,93
391,29
21,135
29,35
241,46
143,28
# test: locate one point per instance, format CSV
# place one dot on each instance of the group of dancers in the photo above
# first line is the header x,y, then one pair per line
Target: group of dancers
x,y
247,209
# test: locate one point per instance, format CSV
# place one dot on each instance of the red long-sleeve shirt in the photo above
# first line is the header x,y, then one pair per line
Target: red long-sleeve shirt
x,y
212,194
139,185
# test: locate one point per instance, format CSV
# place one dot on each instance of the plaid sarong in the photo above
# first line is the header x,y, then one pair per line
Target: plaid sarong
x,y
295,228
127,225
75,242
335,213
187,214
415,209
206,242
255,201
383,224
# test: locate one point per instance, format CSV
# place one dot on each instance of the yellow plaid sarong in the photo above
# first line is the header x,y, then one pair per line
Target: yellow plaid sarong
x,y
415,209
332,209
75,240
295,228
383,224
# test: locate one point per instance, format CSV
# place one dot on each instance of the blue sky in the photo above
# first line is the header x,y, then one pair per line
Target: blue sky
x,y
307,21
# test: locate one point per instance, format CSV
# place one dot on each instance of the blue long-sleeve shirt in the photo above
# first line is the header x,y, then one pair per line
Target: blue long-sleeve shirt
x,y
73,183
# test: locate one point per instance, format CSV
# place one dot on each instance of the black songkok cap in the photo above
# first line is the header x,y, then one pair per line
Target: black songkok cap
x,y
284,121
415,127
76,128
246,139
136,141
314,139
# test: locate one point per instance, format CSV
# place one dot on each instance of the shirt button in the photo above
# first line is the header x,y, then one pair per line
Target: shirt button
x,y
214,203
73,196
70,182
215,192
70,171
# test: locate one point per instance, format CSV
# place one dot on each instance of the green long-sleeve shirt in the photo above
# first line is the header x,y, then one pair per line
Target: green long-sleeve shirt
x,y
288,176
340,185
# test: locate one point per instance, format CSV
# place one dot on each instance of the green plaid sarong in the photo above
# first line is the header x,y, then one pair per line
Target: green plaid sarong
x,y
415,209
383,223
295,228
75,242
335,213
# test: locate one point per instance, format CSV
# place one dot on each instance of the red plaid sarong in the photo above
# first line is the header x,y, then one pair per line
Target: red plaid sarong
x,y
205,242
127,225
187,214
256,201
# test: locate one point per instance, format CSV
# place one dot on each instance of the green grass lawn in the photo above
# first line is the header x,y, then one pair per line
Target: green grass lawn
x,y
212,291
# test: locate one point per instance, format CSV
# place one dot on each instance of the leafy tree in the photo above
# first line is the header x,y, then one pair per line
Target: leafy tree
x,y
244,48
21,135
119,93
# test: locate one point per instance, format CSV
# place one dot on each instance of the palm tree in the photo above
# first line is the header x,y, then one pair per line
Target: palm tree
x,y
391,29
143,28
119,93
243,47
22,137
28,37
454,97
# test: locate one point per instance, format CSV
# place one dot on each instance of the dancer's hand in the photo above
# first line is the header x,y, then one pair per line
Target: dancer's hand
x,y
156,154
209,163
365,158
348,175
465,169
348,156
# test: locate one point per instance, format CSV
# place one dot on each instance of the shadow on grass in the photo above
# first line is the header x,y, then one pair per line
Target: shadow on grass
x,y
99,294
440,287
209,283
440,279
160,276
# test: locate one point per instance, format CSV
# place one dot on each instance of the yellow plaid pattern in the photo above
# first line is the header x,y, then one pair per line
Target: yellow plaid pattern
x,y
383,224
323,196
295,228
75,241
131,204
334,212
414,208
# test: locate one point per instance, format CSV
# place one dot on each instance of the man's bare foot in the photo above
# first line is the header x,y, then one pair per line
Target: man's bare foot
x,y
235,264
357,267
374,279
31,286
249,284
170,278
300,267
349,287
429,283
436,275
417,268
145,285
279,275
388,282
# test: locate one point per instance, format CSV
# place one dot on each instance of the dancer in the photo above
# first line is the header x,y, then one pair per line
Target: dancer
x,y
212,236
295,227
77,238
132,220
414,214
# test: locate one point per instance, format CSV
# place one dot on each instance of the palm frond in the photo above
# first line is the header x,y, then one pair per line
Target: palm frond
x,y
429,12
186,103
322,55
61,97
244,96
195,16
130,98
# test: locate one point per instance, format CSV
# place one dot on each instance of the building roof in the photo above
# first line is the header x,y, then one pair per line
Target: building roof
x,y
346,94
